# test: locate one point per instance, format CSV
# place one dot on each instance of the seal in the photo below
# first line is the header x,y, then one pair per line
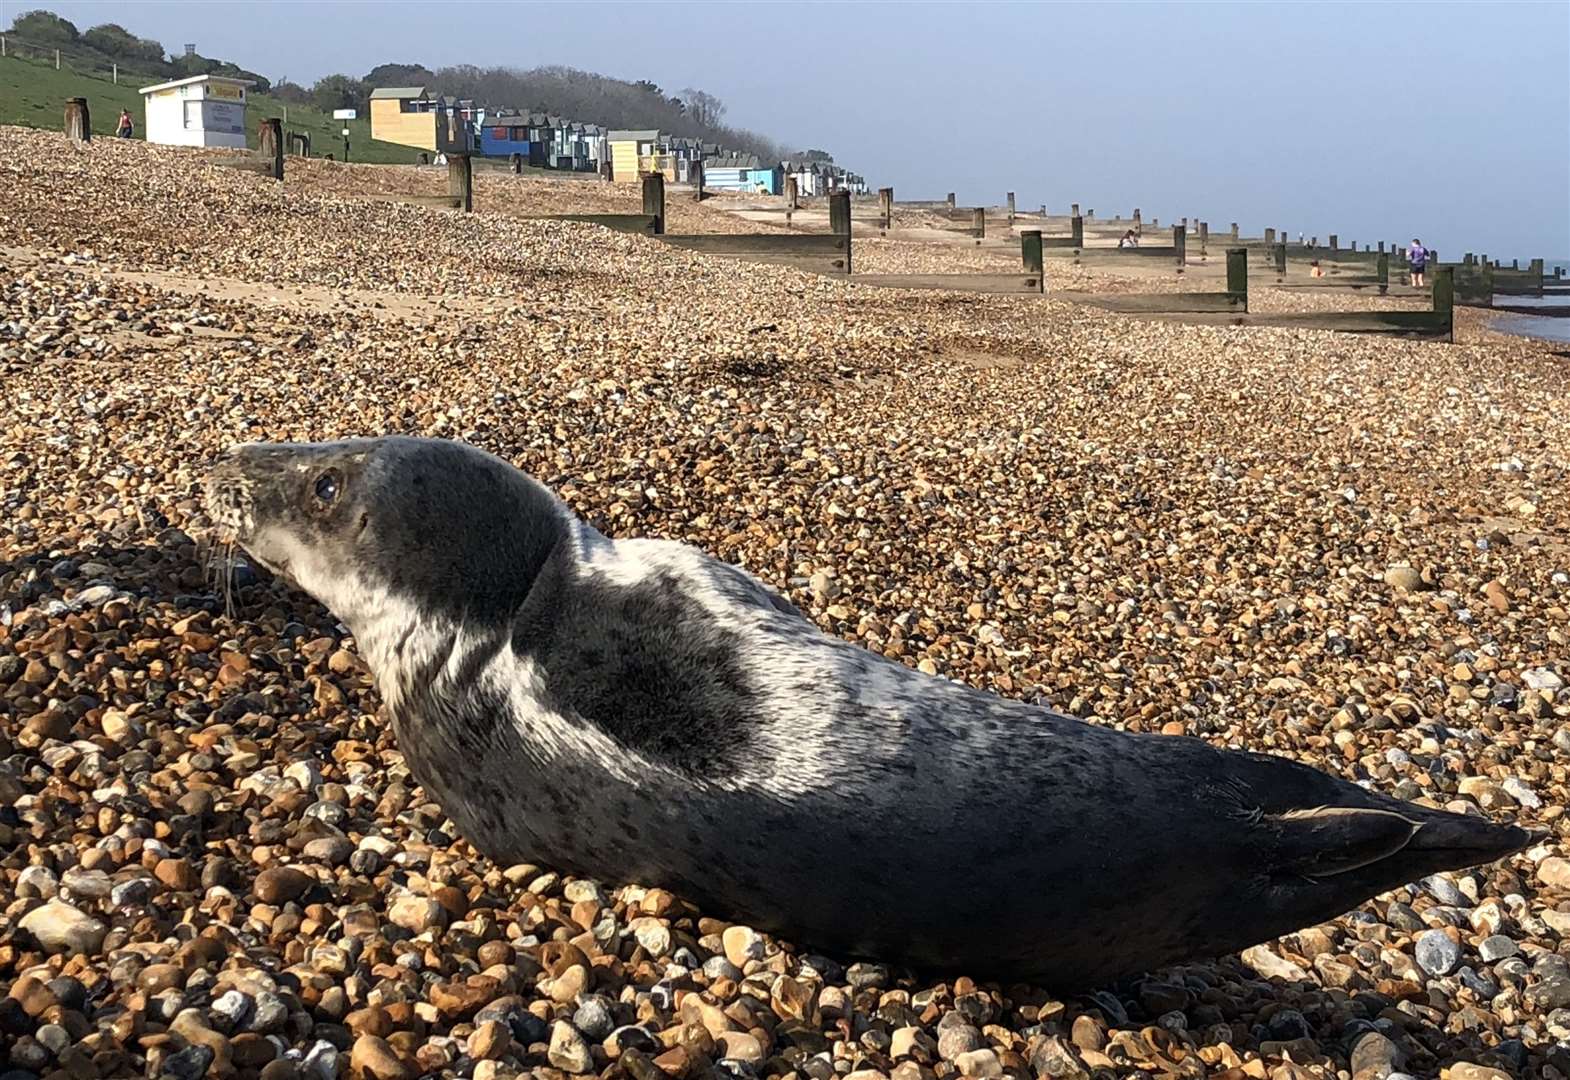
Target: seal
x,y
635,711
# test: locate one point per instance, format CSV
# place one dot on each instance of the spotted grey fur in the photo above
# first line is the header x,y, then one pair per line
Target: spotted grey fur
x,y
636,711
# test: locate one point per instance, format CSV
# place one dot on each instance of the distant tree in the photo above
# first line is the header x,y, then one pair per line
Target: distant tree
x,y
337,92
45,26
292,92
705,109
649,88
399,75
114,40
814,155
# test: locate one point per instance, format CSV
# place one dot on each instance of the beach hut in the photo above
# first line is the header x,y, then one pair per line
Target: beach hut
x,y
504,134
203,110
742,173
409,116
635,153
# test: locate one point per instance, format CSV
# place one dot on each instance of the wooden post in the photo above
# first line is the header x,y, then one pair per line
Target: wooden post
x,y
1204,236
886,200
1234,232
460,181
1030,251
1382,269
654,200
1139,228
1445,298
516,162
951,200
1237,273
269,144
1281,257
1011,208
1381,247
695,174
78,125
1180,241
839,220
1270,237
978,221
1334,244
791,201
1077,223
1488,282
1074,210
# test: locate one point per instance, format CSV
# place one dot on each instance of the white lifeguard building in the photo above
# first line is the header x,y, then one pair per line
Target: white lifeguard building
x,y
204,110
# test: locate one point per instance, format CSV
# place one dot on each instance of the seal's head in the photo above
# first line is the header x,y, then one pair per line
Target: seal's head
x,y
369,526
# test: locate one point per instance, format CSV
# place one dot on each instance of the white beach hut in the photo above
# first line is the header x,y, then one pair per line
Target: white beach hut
x,y
204,110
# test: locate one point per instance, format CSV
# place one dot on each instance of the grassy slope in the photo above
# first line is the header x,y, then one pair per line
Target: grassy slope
x,y
33,94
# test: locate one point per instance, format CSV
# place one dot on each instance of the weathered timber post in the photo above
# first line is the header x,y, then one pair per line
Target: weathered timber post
x,y
516,161
654,200
1030,251
1535,268
1445,299
1281,257
1185,224
695,174
1381,246
1488,282
839,220
269,144
1270,237
1313,242
1139,228
1011,208
460,181
1180,241
1234,232
1074,210
78,125
1515,264
1077,224
1204,236
1237,273
886,202
978,222
791,201
951,200
1334,242
1155,223
1382,270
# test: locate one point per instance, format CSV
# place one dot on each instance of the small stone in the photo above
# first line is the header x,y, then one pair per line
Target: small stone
x,y
742,943
1436,953
1554,872
1271,966
190,1063
1497,947
982,1062
281,884
567,1051
593,1018
958,1039
373,1059
1406,578
60,928
489,1040
417,914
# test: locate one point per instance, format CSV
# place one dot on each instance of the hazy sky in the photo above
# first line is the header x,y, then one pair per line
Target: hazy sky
x,y
1447,121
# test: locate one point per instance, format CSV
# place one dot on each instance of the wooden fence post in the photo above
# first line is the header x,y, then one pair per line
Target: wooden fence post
x,y
460,181
1281,257
791,201
1382,269
1180,241
1077,223
78,125
978,221
695,174
1011,208
1234,232
1074,210
839,221
886,199
515,161
1445,298
1139,227
1334,245
1381,247
654,200
1270,237
1030,251
1237,273
269,144
951,200
1204,236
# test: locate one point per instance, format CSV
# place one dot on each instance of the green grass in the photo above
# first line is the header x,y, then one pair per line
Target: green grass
x,y
33,94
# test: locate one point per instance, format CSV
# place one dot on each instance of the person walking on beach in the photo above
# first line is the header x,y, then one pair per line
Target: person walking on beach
x,y
1417,262
124,129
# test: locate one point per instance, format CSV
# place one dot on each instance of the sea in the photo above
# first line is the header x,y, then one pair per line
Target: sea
x,y
1546,327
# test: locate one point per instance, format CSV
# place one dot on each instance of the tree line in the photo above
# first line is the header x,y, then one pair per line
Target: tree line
x,y
582,96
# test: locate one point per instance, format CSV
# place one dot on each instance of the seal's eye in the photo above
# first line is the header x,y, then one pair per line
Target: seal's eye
x,y
327,486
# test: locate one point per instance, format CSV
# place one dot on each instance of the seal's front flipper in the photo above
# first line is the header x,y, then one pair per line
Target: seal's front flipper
x,y
1330,840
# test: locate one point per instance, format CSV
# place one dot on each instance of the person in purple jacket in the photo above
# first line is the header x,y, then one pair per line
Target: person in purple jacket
x,y
1417,261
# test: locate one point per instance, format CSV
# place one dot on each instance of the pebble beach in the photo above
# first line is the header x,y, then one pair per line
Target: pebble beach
x,y
1351,551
